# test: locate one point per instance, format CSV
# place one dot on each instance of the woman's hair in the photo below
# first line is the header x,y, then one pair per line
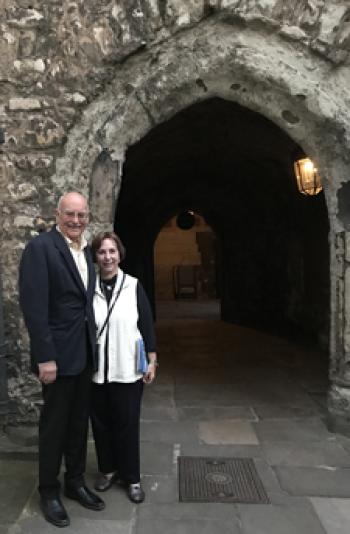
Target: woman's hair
x,y
97,242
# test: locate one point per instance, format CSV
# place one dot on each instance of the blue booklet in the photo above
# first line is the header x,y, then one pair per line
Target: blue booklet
x,y
141,357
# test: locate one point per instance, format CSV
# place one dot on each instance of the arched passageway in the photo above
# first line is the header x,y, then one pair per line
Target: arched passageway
x,y
123,77
265,73
235,168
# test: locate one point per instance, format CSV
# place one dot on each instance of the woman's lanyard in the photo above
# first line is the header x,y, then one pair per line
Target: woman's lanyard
x,y
98,336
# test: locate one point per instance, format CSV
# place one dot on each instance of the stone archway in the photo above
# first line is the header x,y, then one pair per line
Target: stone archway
x,y
282,81
288,86
235,167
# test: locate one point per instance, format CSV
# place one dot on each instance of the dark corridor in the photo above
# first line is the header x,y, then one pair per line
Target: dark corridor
x,y
235,168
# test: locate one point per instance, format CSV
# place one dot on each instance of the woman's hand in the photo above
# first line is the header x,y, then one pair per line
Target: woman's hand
x,y
152,366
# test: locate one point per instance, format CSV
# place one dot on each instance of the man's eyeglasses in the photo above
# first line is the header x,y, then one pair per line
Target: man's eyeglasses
x,y
81,215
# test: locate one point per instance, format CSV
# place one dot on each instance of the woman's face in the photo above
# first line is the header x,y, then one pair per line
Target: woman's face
x,y
107,257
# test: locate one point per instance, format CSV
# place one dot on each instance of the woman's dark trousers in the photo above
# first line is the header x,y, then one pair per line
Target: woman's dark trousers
x,y
115,418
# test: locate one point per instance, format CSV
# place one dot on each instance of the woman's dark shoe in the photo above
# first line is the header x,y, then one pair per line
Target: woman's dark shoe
x,y
136,493
85,497
54,511
104,482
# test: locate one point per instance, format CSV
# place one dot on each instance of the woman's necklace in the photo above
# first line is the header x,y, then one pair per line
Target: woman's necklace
x,y
108,285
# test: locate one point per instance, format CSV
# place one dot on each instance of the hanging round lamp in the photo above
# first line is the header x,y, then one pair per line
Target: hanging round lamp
x,y
186,220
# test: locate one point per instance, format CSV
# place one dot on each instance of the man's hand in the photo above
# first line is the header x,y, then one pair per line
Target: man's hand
x,y
47,372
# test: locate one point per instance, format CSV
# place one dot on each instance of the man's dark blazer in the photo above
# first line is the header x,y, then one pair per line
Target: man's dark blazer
x,y
56,307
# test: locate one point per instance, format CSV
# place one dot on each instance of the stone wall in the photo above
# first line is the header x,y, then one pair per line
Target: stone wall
x,y
80,76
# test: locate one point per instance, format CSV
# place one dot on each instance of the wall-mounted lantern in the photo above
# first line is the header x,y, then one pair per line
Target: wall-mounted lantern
x,y
308,178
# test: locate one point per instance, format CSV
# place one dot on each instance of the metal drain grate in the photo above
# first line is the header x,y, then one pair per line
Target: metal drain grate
x,y
220,480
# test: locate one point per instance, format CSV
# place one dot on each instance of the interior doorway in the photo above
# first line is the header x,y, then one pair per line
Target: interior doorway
x,y
186,267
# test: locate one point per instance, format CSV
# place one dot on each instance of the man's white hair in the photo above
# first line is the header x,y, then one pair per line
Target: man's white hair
x,y
60,200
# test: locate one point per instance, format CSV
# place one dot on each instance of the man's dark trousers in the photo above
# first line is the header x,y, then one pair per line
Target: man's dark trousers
x,y
63,430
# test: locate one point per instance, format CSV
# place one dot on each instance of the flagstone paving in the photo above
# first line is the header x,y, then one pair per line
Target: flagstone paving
x,y
223,391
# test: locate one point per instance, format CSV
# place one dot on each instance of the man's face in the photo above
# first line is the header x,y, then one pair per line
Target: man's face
x,y
72,215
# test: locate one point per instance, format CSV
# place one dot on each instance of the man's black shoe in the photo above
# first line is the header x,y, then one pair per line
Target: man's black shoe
x,y
54,511
85,497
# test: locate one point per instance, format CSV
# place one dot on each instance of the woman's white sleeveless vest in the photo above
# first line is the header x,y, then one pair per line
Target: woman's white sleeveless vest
x,y
122,332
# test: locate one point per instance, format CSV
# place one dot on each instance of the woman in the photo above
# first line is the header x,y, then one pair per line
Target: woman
x,y
124,323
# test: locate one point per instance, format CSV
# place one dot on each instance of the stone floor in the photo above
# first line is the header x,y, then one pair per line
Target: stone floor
x,y
225,391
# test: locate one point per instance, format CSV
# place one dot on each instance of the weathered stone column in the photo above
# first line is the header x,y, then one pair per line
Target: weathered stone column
x,y
339,391
3,371
104,189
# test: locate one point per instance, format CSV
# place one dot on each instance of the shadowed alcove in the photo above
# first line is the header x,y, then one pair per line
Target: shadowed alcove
x,y
234,168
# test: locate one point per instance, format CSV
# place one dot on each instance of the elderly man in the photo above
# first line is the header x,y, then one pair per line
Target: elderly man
x,y
57,282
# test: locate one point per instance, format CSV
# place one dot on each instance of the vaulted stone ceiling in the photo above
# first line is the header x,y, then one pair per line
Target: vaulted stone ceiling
x,y
213,156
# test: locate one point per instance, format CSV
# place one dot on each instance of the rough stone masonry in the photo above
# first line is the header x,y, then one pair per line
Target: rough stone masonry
x,y
77,77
